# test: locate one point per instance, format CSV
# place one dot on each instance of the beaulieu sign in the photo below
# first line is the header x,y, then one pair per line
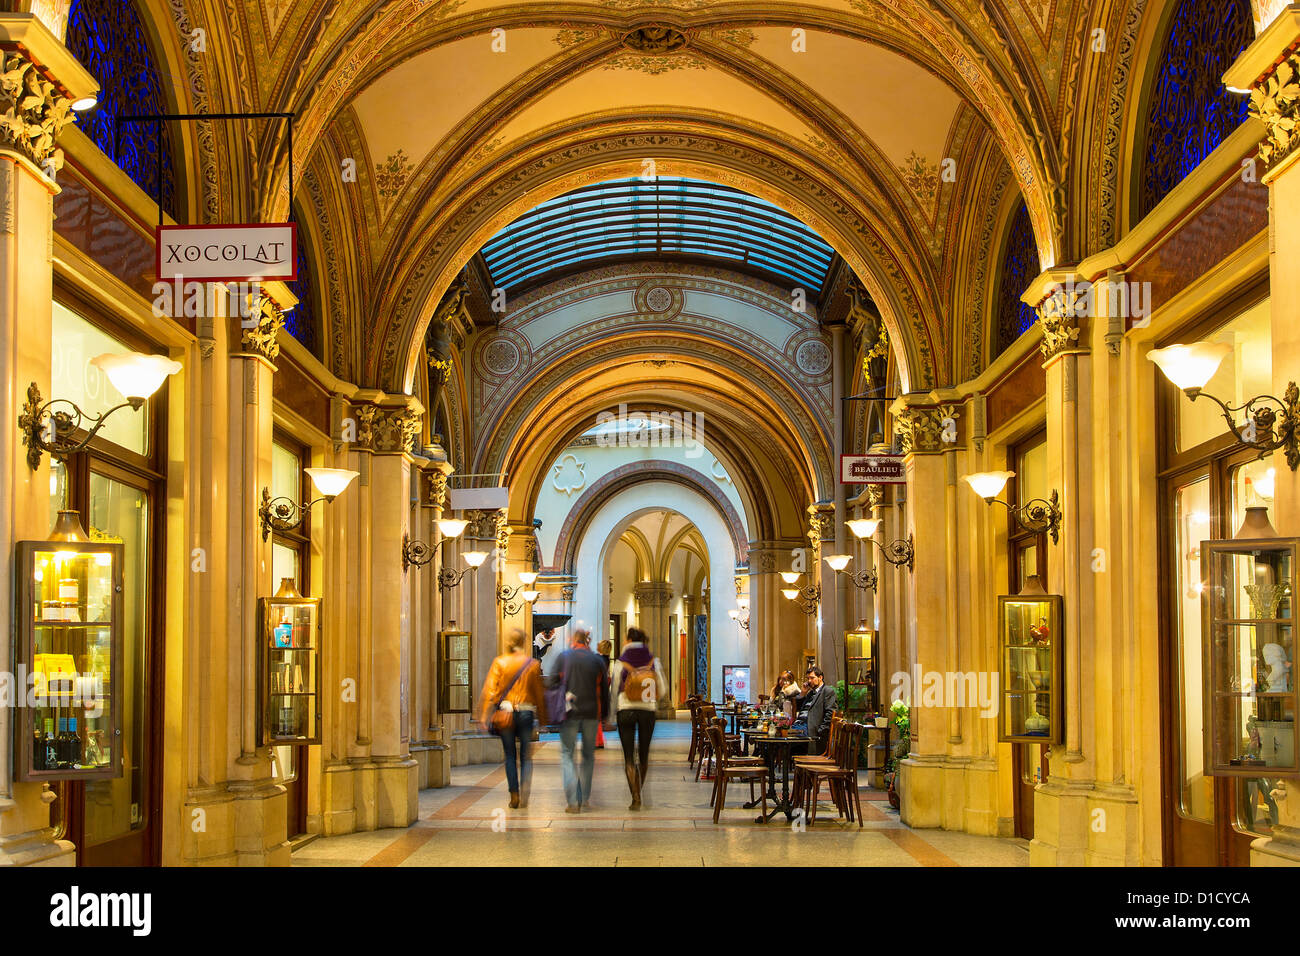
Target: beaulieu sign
x,y
238,253
872,470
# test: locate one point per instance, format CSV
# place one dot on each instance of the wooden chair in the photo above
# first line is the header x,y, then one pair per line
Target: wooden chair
x,y
693,705
729,769
830,757
842,778
709,713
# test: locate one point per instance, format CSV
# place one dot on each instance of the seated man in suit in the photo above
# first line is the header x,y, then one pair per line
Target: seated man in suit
x,y
817,705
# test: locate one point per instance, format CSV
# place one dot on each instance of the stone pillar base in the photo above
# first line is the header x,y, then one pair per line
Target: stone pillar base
x,y
434,765
952,793
474,747
370,795
1275,850
244,827
35,848
1080,824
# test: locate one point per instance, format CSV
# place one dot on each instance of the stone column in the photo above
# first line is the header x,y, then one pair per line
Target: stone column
x,y
652,600
432,750
1270,67
829,621
925,788
39,100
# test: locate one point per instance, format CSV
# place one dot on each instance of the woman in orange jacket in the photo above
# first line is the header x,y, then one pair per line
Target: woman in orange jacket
x,y
514,688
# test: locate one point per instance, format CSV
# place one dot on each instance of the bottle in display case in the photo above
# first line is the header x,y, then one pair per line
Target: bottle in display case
x,y
1248,590
455,667
1032,664
67,655
289,668
860,660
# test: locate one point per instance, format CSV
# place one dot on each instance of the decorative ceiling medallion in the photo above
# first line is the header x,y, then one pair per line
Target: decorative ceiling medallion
x,y
810,355
655,39
503,354
655,300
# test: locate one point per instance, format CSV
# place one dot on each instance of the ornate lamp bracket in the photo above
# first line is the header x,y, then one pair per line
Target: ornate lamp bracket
x,y
45,430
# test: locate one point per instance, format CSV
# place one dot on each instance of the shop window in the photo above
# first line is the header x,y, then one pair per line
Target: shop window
x,y
1192,526
74,342
1019,268
1247,372
1027,555
289,548
1190,110
109,39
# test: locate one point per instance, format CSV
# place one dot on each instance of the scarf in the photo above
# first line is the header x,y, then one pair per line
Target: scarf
x,y
634,657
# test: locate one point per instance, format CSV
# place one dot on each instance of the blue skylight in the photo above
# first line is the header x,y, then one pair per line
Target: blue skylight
x,y
668,217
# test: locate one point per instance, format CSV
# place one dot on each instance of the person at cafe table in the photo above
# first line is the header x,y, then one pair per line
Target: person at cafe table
x,y
816,707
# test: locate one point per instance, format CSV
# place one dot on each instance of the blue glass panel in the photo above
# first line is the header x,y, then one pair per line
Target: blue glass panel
x,y
1019,268
109,40
629,217
301,323
1191,111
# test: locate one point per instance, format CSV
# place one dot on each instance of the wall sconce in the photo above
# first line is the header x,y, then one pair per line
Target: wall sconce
x,y
1036,515
743,604
1191,367
898,553
450,577
134,374
419,554
506,595
807,598
282,514
862,579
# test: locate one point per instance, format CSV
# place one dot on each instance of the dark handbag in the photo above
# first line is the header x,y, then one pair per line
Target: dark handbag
x,y
498,719
557,697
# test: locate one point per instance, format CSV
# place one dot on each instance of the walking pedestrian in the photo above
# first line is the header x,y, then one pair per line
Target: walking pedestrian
x,y
581,684
639,683
513,701
603,649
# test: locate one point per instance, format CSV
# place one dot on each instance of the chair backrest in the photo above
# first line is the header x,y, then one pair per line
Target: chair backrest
x,y
851,743
714,730
833,741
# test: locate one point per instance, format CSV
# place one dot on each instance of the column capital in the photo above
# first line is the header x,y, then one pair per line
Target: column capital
x,y
925,429
386,424
1269,70
260,338
653,593
41,81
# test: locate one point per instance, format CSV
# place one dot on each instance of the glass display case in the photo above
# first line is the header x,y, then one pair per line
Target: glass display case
x,y
1249,585
1032,663
860,672
455,667
289,671
67,694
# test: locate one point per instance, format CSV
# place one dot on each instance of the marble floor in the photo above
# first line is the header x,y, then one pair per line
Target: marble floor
x,y
468,824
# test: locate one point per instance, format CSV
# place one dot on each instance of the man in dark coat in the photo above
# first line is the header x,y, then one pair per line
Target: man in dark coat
x,y
818,703
586,683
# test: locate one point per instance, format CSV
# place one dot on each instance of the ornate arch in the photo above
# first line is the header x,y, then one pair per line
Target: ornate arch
x,y
593,499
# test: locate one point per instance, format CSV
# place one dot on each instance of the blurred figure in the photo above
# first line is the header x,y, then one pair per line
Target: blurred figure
x,y
604,649
639,683
583,677
513,701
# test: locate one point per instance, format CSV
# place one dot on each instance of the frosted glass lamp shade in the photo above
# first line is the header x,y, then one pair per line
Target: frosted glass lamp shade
x,y
1191,367
989,484
452,527
789,577
733,614
531,596
474,558
331,482
864,527
742,602
790,593
838,562
526,578
134,374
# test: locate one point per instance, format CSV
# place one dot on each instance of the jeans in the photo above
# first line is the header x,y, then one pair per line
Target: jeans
x,y
577,782
518,737
630,723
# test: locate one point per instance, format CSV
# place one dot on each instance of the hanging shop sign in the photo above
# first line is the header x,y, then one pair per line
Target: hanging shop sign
x,y
254,252
482,499
872,470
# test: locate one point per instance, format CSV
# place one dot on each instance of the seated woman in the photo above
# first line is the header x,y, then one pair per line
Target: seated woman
x,y
786,693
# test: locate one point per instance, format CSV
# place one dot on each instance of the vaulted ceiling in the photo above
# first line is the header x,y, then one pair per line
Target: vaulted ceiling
x,y
899,130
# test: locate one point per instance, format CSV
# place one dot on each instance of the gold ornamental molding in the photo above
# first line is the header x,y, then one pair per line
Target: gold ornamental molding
x,y
387,429
260,339
39,82
1060,316
1276,103
435,489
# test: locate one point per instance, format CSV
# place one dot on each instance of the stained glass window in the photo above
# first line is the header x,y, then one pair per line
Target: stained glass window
x,y
301,323
1019,268
1191,111
663,217
109,40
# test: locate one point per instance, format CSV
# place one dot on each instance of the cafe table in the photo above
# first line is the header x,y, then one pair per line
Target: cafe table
x,y
778,752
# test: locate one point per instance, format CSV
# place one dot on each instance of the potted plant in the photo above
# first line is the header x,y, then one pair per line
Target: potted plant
x,y
902,747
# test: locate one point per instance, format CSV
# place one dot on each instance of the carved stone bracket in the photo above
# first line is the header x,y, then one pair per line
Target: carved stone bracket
x,y
260,339
926,429
1060,316
502,531
32,111
653,594
435,489
875,495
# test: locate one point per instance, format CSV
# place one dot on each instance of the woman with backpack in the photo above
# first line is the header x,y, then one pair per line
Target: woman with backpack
x,y
638,684
513,702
